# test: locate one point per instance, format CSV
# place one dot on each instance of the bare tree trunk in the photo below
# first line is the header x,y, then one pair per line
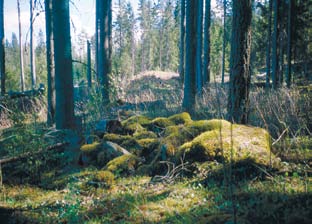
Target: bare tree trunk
x,y
182,41
289,45
64,115
21,47
190,57
199,36
32,48
2,49
240,62
224,41
50,61
268,56
89,77
274,47
206,74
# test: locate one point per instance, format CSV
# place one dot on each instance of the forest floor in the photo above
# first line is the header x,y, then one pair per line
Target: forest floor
x,y
49,187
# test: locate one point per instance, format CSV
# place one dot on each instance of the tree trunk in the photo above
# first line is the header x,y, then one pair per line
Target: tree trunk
x,y
104,58
206,75
32,48
289,45
64,115
240,62
89,77
199,36
21,47
190,59
274,47
2,50
224,41
268,56
182,41
50,61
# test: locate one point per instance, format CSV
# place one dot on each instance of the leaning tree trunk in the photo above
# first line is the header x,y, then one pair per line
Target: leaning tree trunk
x,y
50,61
199,36
274,47
206,67
32,48
190,59
21,47
268,56
2,50
224,41
182,40
289,46
240,62
64,114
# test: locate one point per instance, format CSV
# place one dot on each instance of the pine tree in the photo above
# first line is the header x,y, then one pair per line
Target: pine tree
x,y
2,50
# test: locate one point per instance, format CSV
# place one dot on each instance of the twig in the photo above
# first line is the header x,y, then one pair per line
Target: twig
x,y
280,137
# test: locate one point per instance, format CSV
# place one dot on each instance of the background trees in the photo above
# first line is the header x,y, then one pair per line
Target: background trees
x,y
2,50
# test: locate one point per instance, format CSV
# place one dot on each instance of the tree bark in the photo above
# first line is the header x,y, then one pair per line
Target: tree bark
x,y
238,102
206,74
64,114
190,59
274,47
199,36
89,76
50,62
289,44
224,41
2,50
22,75
32,48
268,56
182,41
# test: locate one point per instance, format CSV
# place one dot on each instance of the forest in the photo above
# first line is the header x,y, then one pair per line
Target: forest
x,y
171,111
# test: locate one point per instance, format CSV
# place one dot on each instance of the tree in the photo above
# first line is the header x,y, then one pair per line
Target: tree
x,y
32,48
289,45
22,75
2,51
199,36
50,61
206,66
190,59
240,62
274,46
64,114
224,41
89,77
268,56
104,21
182,40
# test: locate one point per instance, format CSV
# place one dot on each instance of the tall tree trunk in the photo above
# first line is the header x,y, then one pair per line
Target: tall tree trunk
x,y
240,62
224,41
50,61
206,74
289,45
2,49
199,36
274,46
64,115
268,56
190,58
21,47
89,77
32,48
182,41
105,46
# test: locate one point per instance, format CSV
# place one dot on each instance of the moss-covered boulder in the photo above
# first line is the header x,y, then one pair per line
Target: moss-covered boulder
x,y
125,164
182,118
236,142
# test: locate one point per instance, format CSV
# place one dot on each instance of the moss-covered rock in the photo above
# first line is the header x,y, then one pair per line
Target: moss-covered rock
x,y
105,177
87,148
143,134
159,124
124,164
182,118
240,143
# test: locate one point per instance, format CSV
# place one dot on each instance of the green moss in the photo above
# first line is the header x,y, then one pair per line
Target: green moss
x,y
148,143
119,139
161,122
144,134
90,147
242,143
182,118
197,127
123,164
142,120
105,177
